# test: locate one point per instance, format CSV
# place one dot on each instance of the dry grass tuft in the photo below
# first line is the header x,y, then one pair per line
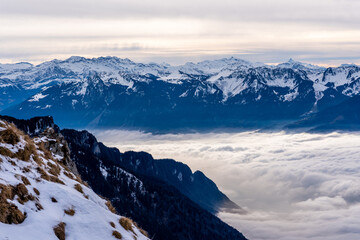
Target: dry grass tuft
x,y
25,180
126,223
5,152
78,188
43,174
9,212
117,235
39,206
53,199
23,194
47,153
70,211
112,224
69,175
110,206
54,169
59,231
28,151
9,136
12,163
56,180
36,191
6,192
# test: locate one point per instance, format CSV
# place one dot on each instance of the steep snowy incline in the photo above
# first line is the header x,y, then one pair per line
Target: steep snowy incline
x,y
41,198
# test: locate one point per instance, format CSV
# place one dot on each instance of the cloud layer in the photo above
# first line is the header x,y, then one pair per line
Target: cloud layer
x,y
295,186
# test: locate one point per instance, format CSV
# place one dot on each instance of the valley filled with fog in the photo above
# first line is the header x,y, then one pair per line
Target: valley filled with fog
x,y
293,186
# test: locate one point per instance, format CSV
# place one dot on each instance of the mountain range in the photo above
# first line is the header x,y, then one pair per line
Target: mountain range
x,y
109,92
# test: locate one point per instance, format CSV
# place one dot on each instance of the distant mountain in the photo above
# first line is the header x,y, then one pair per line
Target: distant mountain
x,y
168,209
343,116
109,92
41,198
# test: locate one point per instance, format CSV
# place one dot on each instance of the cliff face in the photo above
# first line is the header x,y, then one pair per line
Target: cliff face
x,y
154,203
41,198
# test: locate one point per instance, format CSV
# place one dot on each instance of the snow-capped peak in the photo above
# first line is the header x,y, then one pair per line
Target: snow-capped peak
x,y
291,63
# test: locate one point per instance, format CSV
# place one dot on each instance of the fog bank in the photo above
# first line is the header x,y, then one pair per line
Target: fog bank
x,y
295,186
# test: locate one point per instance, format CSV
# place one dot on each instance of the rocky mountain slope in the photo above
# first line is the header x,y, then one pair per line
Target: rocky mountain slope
x,y
156,204
195,186
41,197
111,92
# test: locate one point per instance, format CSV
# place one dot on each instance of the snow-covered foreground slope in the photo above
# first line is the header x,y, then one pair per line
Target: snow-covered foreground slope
x,y
41,198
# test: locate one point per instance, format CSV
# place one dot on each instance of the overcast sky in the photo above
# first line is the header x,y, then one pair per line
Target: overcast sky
x,y
176,31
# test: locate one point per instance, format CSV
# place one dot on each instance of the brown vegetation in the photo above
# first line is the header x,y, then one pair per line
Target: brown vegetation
x,y
112,224
9,136
110,207
25,180
9,212
28,151
54,169
5,152
47,153
39,206
56,180
70,211
78,188
69,175
59,231
53,199
23,194
36,191
117,235
126,223
43,173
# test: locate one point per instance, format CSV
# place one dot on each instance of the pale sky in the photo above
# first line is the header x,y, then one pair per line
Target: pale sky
x,y
323,32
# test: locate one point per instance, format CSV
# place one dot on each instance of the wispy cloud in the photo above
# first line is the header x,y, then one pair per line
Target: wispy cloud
x,y
323,31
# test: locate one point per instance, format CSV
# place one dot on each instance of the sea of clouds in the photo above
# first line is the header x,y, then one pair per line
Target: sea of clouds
x,y
294,186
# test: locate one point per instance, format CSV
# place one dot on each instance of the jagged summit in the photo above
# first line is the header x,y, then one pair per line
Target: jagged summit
x,y
112,92
42,198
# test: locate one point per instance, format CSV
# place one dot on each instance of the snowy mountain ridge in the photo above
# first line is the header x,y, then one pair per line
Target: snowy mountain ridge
x,y
228,74
102,89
